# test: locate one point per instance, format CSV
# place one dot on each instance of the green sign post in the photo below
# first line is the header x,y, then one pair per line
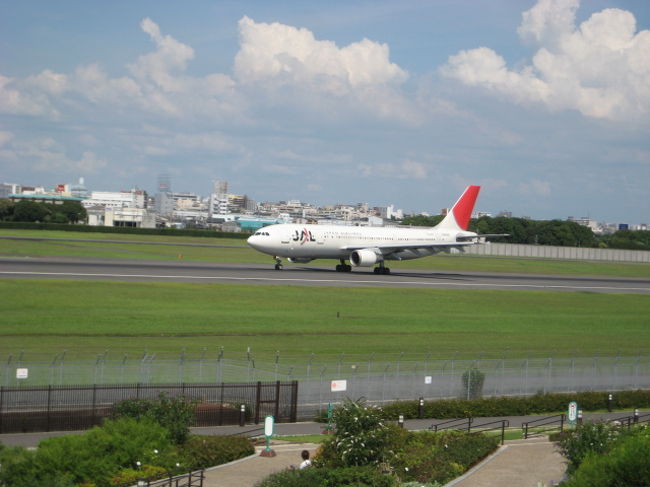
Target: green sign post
x,y
269,423
572,415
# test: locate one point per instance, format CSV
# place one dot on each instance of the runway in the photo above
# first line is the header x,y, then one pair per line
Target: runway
x,y
322,274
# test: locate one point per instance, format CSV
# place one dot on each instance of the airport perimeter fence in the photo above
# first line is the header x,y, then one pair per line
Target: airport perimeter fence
x,y
557,252
64,408
379,381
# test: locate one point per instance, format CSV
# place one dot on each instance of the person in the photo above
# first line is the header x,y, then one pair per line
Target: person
x,y
306,462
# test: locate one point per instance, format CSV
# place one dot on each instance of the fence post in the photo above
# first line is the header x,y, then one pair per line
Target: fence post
x,y
94,415
1,399
49,398
276,412
294,401
258,399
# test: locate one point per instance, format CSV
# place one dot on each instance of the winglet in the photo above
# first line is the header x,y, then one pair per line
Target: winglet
x,y
461,212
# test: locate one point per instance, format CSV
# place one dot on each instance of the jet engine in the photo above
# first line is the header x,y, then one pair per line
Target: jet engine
x,y
363,258
299,260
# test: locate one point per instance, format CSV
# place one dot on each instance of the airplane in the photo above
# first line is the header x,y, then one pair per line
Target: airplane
x,y
369,246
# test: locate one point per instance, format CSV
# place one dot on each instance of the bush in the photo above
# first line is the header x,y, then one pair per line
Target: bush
x,y
515,406
207,451
626,465
473,380
176,414
94,457
361,438
330,477
585,439
440,457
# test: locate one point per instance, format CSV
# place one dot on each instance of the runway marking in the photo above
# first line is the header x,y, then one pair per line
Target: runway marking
x,y
340,281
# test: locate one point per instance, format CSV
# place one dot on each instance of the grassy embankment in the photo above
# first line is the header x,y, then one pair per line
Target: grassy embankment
x,y
87,318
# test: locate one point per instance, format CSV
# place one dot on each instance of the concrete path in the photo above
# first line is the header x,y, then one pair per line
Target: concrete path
x,y
519,463
248,471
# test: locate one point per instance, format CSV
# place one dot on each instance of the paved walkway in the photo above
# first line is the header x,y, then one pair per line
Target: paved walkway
x,y
519,463
248,471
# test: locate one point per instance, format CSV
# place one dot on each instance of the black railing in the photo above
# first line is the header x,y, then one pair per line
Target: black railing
x,y
467,424
629,421
547,423
189,479
61,408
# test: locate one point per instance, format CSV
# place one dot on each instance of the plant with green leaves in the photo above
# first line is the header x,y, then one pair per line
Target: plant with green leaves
x,y
176,414
473,380
587,438
361,437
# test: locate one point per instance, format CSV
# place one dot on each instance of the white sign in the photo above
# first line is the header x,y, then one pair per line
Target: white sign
x,y
428,379
268,426
573,411
339,385
22,373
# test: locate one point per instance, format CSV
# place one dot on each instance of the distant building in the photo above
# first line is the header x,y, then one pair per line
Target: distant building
x,y
134,198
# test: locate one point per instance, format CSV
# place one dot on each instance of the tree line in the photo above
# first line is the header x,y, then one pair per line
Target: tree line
x,y
546,232
34,211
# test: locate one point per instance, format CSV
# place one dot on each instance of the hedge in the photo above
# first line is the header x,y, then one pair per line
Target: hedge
x,y
173,232
514,406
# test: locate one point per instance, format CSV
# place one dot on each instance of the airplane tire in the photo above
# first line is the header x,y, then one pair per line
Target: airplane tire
x,y
278,267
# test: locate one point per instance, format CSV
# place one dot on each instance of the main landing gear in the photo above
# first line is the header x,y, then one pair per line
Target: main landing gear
x,y
278,264
343,267
382,269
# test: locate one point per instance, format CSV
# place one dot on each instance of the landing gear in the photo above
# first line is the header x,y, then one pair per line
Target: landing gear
x,y
278,264
343,267
382,269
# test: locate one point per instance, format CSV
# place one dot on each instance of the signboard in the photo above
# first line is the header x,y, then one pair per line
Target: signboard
x,y
268,426
572,415
339,386
22,373
428,379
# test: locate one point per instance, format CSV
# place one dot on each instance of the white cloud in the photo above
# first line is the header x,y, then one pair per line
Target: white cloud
x,y
5,137
407,169
600,68
291,55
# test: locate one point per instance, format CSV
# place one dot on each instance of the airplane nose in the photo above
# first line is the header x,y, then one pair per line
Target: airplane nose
x,y
254,241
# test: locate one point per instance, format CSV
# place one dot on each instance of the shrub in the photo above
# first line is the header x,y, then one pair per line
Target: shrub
x,y
440,457
361,438
587,438
176,414
330,477
515,406
94,457
626,465
208,451
473,380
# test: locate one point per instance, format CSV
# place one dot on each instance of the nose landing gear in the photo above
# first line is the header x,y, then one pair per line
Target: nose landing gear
x,y
278,264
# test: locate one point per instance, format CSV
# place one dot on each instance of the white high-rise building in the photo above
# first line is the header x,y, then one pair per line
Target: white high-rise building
x,y
219,198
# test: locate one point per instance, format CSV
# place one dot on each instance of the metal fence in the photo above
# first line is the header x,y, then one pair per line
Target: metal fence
x,y
556,252
60,408
401,377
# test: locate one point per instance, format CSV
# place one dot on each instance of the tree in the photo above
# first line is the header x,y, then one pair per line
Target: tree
x,y
6,210
30,211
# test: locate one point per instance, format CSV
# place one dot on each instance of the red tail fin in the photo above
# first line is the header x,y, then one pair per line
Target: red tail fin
x,y
463,208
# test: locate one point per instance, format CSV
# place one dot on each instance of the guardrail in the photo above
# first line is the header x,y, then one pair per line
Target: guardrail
x,y
546,421
629,421
189,479
467,424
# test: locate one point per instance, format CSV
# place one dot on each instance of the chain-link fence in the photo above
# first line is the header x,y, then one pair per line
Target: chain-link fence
x,y
378,381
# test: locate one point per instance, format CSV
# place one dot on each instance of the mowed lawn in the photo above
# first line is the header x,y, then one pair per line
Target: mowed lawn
x,y
236,250
42,318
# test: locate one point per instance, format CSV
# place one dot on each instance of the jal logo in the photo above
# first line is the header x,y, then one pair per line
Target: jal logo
x,y
304,236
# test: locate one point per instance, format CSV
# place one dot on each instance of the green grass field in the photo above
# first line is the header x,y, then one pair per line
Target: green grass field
x,y
243,254
87,318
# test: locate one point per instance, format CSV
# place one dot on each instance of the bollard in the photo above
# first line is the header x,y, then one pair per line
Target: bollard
x,y
636,416
400,420
421,408
242,415
579,416
609,403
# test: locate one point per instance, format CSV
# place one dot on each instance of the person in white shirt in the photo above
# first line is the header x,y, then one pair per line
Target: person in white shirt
x,y
306,462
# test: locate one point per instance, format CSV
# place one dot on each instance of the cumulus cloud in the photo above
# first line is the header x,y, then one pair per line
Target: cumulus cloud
x,y
600,68
292,55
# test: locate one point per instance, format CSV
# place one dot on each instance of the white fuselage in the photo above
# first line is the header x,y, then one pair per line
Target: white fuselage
x,y
338,242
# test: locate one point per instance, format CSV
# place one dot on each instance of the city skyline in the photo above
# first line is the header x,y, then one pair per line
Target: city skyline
x,y
545,104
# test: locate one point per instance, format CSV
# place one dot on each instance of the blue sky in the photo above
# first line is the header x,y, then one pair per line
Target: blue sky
x,y
546,104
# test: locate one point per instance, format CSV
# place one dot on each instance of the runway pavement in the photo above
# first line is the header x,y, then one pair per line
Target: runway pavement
x,y
319,274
